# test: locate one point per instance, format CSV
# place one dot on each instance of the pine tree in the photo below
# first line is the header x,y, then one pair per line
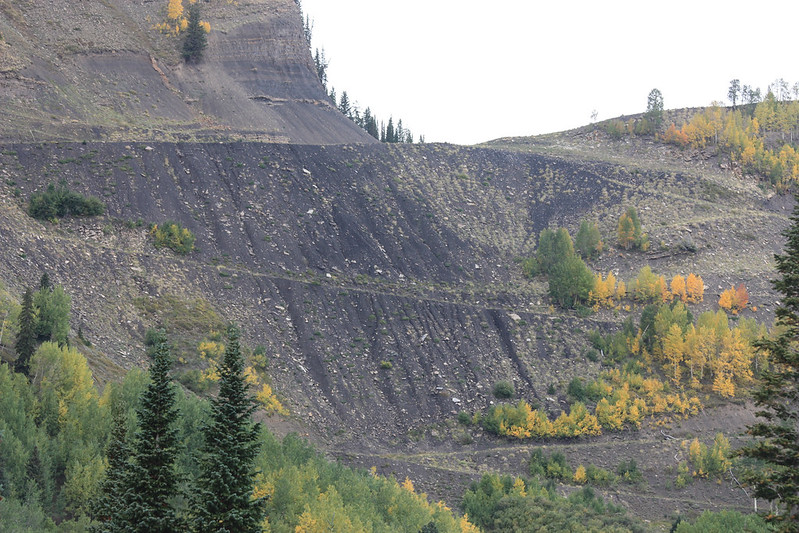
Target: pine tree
x,y
223,500
195,41
778,397
152,481
108,510
26,338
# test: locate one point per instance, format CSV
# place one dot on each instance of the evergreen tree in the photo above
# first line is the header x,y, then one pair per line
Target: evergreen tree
x,y
223,500
26,338
44,281
151,481
108,510
778,397
321,67
654,108
344,105
390,135
370,124
195,42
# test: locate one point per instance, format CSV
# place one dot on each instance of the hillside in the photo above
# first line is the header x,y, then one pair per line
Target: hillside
x,y
100,70
339,258
382,281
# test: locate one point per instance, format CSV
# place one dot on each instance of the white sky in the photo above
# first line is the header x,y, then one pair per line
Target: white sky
x,y
466,71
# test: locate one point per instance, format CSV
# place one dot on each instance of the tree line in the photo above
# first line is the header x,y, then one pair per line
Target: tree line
x,y
387,132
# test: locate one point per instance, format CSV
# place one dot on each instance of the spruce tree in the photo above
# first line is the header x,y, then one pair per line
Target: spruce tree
x,y
777,395
195,41
108,510
26,338
223,497
151,481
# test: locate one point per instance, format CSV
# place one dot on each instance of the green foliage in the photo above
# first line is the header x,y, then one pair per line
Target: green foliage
x,y
26,337
504,504
552,466
713,521
778,397
53,310
61,202
588,241
194,42
174,236
151,479
222,499
654,109
630,233
554,247
570,280
504,390
629,472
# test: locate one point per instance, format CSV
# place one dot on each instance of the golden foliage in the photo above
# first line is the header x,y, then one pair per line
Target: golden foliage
x,y
271,404
174,9
694,288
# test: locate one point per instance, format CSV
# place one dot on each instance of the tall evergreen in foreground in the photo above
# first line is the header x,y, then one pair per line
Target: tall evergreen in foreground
x,y
26,337
151,481
108,510
778,396
223,497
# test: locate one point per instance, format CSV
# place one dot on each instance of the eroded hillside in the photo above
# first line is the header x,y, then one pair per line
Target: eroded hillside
x,y
102,70
338,258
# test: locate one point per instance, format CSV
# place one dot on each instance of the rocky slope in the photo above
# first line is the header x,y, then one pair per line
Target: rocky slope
x,y
383,281
101,70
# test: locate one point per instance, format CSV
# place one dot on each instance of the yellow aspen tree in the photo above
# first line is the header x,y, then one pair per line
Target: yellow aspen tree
x,y
607,416
580,475
694,288
621,291
674,351
662,289
626,231
698,349
678,287
726,299
739,353
540,425
723,371
174,9
518,487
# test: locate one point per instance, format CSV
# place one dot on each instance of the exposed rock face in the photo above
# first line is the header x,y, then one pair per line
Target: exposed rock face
x,y
100,70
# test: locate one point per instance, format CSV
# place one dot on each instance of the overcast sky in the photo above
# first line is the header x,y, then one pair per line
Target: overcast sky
x,y
466,71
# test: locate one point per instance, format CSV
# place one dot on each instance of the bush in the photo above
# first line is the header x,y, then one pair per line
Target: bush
x,y
628,471
504,390
174,236
61,202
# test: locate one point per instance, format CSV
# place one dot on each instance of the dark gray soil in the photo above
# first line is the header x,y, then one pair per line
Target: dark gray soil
x,y
341,259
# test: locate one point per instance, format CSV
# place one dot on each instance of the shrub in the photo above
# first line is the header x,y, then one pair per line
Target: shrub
x,y
504,390
628,471
174,236
61,202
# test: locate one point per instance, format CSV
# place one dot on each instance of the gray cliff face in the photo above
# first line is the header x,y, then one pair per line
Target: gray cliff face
x,y
92,70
